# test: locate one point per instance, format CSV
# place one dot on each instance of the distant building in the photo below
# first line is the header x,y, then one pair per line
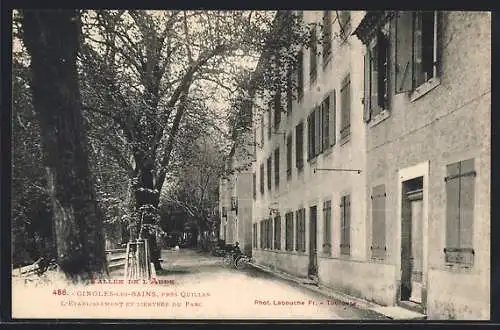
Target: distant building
x,y
236,189
375,180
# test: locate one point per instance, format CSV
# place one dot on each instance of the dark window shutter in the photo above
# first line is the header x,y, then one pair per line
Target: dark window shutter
x,y
417,49
317,131
367,86
383,64
277,167
348,221
325,111
309,137
297,230
375,72
254,185
342,225
327,217
467,182
346,107
261,131
452,205
378,222
404,43
333,117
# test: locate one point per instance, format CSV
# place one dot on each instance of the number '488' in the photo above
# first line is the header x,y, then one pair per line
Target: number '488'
x,y
59,292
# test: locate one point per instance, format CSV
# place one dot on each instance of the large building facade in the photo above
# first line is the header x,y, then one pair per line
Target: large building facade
x,y
376,180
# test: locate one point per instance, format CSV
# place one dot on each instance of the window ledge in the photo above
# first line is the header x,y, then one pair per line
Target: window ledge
x,y
328,151
380,117
425,88
345,139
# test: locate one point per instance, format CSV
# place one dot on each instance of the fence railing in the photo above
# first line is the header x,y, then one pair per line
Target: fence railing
x,y
115,258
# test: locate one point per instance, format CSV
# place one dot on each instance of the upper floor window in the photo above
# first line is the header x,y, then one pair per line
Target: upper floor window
x,y
327,36
299,146
289,156
300,75
376,76
313,55
261,177
345,108
277,167
269,169
416,50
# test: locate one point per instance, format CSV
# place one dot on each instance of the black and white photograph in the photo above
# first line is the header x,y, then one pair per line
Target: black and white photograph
x,y
203,164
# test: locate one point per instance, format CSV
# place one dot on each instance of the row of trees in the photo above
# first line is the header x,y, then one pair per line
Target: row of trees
x,y
111,106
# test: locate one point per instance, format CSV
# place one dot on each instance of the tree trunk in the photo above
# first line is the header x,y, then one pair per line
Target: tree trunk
x,y
52,39
147,200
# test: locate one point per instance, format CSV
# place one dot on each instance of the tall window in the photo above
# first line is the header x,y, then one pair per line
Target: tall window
x,y
261,131
327,231
299,146
345,225
269,236
300,244
254,235
460,182
269,171
277,109
321,128
345,97
277,233
376,98
289,92
378,247
416,49
311,136
277,167
289,231
313,55
289,156
327,35
269,122
300,75
254,185
325,123
262,234
261,176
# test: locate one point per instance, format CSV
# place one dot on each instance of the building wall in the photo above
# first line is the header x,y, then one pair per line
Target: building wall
x,y
245,200
449,124
306,188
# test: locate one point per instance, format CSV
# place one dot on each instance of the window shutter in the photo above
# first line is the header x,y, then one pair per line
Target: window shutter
x,y
378,222
383,74
297,230
417,49
317,131
327,217
309,137
325,122
467,182
348,222
403,63
342,225
374,86
452,205
367,86
333,117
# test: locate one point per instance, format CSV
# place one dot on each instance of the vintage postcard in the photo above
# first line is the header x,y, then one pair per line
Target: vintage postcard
x,y
251,165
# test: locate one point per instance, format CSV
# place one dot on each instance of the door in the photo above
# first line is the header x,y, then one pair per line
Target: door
x,y
416,204
313,259
412,241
